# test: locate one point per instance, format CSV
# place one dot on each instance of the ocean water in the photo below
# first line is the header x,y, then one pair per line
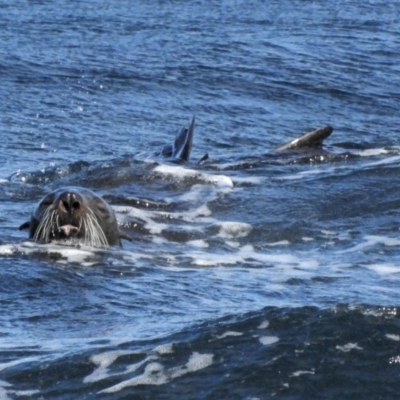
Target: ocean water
x,y
253,275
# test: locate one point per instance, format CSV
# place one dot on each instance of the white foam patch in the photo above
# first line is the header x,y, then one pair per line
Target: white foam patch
x,y
3,392
378,312
371,152
268,340
195,215
254,180
103,372
263,325
328,233
199,192
229,333
8,249
385,161
247,252
70,254
25,393
106,359
309,173
280,243
372,240
348,347
393,337
164,349
198,215
156,374
298,373
248,255
232,230
159,240
384,269
184,173
394,360
209,259
195,192
197,361
132,257
156,227
232,243
172,268
198,243
146,216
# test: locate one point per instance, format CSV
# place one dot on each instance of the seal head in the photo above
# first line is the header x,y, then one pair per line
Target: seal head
x,y
76,215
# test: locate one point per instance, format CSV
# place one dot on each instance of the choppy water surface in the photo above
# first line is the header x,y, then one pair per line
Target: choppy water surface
x,y
252,275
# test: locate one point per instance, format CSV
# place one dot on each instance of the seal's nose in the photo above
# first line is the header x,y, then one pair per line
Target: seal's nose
x,y
69,202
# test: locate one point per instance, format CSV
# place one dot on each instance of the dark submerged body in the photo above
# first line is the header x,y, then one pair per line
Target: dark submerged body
x,y
180,150
310,140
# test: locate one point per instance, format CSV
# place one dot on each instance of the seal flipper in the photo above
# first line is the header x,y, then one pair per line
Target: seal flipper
x,y
182,146
309,140
204,158
25,225
123,235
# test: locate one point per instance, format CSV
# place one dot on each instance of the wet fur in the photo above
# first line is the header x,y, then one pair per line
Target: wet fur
x,y
91,223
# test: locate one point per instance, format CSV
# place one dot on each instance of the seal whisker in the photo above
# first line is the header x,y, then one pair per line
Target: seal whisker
x,y
100,233
96,232
90,233
57,221
47,228
42,230
96,235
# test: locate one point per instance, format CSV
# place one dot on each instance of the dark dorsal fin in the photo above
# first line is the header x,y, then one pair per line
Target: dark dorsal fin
x,y
182,146
309,140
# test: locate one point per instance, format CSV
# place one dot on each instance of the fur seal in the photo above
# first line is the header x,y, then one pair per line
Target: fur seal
x,y
77,215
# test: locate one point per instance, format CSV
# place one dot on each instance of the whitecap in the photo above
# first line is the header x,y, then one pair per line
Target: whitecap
x,y
232,229
156,374
348,347
268,340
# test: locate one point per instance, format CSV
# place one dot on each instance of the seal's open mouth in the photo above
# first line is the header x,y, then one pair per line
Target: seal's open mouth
x,y
68,230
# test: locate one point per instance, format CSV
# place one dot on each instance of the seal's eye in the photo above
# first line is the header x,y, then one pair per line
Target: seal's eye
x,y
101,208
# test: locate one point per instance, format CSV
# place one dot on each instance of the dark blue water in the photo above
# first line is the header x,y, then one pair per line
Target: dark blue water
x,y
252,275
